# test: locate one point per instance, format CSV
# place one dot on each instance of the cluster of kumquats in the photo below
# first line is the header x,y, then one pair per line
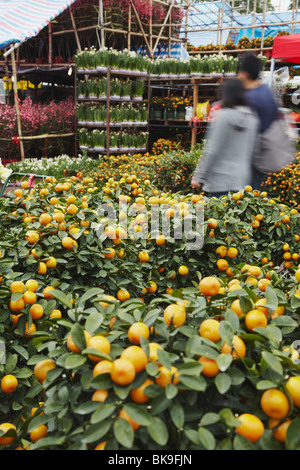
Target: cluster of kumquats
x,y
119,336
285,185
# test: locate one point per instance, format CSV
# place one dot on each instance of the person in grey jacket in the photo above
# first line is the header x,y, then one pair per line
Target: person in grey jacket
x,y
231,145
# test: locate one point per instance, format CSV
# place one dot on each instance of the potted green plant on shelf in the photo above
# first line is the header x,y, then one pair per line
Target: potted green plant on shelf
x,y
124,139
113,141
81,89
98,140
126,90
83,139
138,88
115,89
230,64
196,66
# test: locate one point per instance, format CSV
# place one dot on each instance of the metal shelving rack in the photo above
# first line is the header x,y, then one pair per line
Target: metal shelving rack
x,y
109,101
206,83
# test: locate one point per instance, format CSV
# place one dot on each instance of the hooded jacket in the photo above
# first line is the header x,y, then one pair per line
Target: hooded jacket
x,y
232,141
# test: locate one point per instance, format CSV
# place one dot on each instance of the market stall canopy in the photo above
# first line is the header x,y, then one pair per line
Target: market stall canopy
x,y
287,48
207,15
24,19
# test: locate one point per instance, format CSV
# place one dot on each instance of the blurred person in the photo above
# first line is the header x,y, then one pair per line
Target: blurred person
x,y
274,149
231,143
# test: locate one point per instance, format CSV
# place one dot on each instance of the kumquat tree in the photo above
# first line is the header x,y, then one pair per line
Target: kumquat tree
x,y
117,333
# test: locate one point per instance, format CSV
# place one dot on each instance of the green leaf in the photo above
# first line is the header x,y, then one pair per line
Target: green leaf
x,y
265,385
74,360
222,382
226,332
101,382
246,304
78,336
62,298
224,361
96,353
193,383
241,443
190,367
86,408
158,431
151,369
171,391
95,432
102,412
177,415
22,351
228,418
206,438
284,320
209,418
93,322
193,436
35,359
38,421
272,300
164,358
11,363
232,318
292,441
196,347
138,414
272,362
47,443
124,433
90,293
16,296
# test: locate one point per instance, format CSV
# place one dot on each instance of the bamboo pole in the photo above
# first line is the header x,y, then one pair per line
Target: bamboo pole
x,y
169,41
163,25
15,84
186,27
50,42
142,29
116,31
7,79
129,28
195,102
222,24
75,31
263,28
107,111
218,31
151,25
253,18
46,136
266,25
293,17
101,22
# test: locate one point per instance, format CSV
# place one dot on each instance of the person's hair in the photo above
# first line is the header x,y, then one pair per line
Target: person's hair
x,y
250,64
233,94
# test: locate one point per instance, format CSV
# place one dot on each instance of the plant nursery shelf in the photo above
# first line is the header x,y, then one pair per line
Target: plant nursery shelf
x,y
113,100
105,152
124,73
111,125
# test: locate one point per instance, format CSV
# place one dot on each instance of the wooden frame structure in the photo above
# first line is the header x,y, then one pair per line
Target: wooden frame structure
x,y
151,38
